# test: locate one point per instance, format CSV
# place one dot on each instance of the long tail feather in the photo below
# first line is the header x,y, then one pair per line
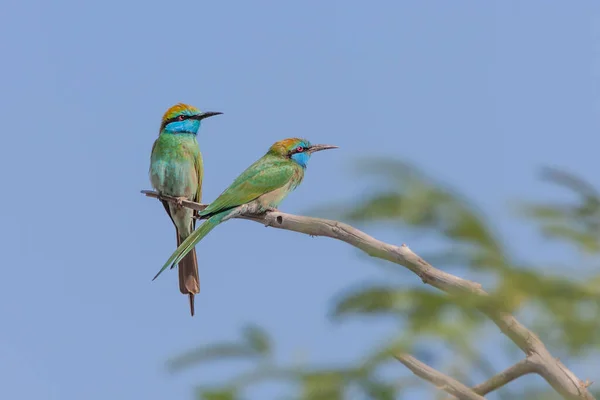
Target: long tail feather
x,y
190,242
189,280
192,304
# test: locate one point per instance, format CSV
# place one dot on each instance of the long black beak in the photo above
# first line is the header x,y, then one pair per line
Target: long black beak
x,y
207,114
319,147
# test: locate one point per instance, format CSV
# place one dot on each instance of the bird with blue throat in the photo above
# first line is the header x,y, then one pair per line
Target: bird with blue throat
x,y
260,188
176,169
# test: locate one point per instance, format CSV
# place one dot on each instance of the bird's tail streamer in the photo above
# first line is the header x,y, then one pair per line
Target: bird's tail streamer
x,y
191,241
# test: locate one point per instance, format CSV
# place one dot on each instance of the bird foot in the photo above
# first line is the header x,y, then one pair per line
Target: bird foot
x,y
179,201
267,210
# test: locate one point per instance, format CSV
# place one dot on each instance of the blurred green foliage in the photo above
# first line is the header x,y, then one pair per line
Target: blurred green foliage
x,y
563,307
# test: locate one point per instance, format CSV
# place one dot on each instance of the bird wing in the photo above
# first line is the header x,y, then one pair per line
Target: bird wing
x,y
153,147
198,165
264,176
164,202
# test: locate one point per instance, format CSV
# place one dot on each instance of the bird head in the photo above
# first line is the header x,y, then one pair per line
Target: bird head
x,y
297,150
183,118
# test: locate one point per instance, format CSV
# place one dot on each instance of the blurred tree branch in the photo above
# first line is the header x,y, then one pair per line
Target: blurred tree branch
x,y
553,371
521,368
441,381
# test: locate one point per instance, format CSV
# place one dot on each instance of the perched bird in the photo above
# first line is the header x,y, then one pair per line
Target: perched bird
x,y
176,170
260,188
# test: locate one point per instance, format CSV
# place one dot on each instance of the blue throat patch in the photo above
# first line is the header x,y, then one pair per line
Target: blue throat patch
x,y
301,158
185,126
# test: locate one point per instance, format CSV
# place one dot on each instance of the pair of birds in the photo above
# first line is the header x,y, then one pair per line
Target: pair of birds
x,y
176,169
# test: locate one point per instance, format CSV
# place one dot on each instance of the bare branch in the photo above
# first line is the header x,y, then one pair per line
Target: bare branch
x,y
521,368
441,381
551,369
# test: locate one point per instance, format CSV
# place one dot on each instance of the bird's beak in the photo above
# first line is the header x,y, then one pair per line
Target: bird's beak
x,y
319,147
207,114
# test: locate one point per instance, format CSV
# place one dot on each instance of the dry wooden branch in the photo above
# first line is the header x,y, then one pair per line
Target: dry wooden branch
x,y
441,381
521,368
551,369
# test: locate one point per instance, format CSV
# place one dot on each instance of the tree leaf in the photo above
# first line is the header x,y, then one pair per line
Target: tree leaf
x,y
257,338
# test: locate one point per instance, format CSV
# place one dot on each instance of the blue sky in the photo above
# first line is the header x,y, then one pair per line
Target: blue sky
x,y
479,94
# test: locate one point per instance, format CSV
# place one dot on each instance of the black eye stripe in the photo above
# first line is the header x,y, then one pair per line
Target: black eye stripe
x,y
178,118
168,121
295,150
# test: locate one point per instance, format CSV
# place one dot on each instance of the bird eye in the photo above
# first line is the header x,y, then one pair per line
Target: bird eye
x,y
180,118
299,149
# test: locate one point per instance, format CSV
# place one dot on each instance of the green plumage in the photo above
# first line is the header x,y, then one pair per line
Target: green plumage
x,y
176,166
176,169
262,186
266,175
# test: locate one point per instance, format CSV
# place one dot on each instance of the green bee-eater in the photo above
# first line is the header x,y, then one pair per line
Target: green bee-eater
x,y
259,188
176,170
